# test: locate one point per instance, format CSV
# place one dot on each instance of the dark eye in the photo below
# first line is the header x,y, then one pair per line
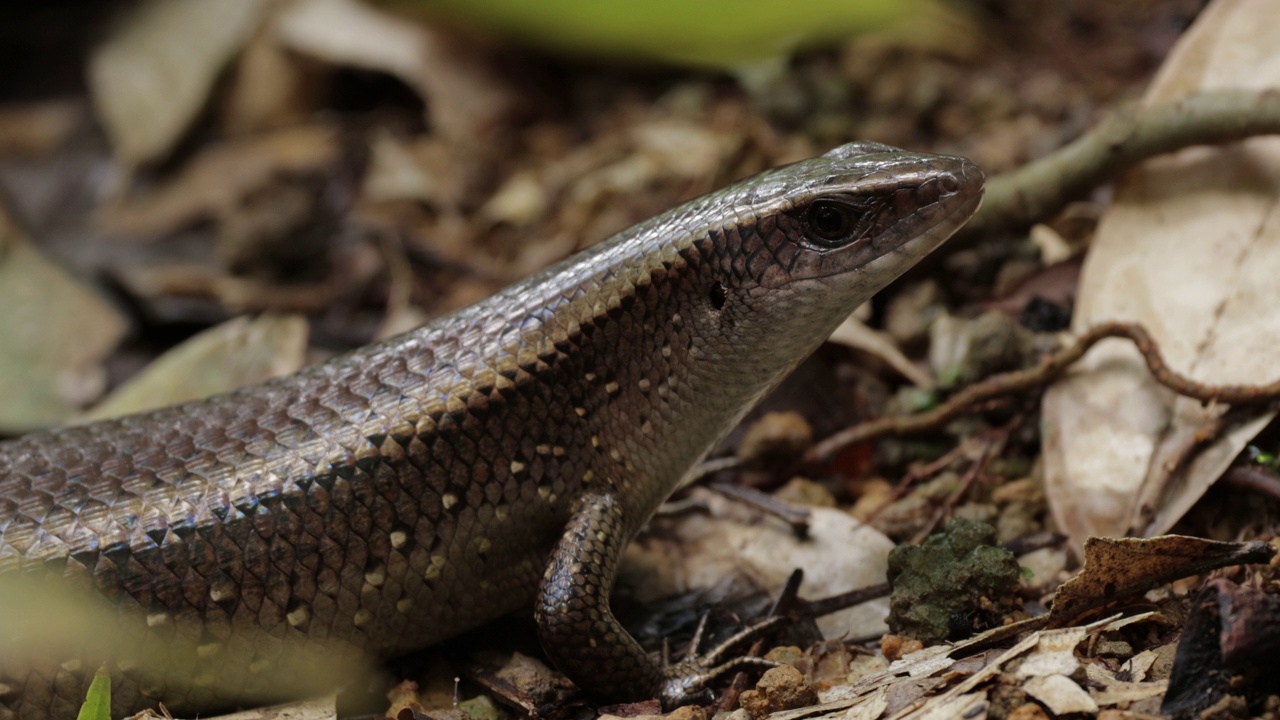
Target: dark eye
x,y
833,223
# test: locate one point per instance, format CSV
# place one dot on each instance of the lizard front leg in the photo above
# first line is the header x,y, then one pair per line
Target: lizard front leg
x,y
578,630
583,638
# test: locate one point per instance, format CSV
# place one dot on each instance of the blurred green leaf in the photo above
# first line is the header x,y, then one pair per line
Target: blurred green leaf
x,y
97,703
715,33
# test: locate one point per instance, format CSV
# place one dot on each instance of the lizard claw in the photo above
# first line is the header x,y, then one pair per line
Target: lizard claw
x,y
686,682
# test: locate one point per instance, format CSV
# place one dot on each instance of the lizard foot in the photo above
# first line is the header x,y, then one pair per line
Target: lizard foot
x,y
687,680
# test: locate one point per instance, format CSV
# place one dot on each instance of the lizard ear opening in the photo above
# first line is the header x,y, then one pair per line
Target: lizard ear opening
x,y
718,296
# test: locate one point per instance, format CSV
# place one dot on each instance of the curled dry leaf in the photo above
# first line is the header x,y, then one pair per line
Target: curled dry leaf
x,y
1116,568
1190,249
271,87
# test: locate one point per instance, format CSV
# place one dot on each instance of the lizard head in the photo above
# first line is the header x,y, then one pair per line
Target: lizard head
x,y
799,247
851,221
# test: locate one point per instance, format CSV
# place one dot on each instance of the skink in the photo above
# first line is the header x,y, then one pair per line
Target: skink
x,y
497,458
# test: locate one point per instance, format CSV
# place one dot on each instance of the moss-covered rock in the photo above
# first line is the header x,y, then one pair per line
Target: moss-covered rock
x,y
955,583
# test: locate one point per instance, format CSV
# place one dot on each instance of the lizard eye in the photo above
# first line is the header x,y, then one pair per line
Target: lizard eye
x,y
833,224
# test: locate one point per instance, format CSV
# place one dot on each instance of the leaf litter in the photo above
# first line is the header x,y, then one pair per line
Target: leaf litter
x,y
464,175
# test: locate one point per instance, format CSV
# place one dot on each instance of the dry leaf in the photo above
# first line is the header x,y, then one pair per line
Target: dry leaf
x,y
1055,654
1060,694
38,129
929,683
972,706
240,352
853,333
1190,249
465,99
840,554
1048,672
870,707
153,75
271,88
324,708
216,180
1107,689
55,332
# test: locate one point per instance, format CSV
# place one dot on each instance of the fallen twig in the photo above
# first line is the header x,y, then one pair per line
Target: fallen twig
x,y
1030,378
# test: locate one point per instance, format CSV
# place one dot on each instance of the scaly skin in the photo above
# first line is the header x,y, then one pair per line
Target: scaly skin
x,y
496,458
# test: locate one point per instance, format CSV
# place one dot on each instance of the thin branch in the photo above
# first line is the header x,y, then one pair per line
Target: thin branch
x,y
1031,378
1037,190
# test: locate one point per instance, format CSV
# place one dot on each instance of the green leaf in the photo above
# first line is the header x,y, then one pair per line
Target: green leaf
x,y
97,703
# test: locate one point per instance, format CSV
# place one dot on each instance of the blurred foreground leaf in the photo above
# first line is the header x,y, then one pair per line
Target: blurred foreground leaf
x,y
97,703
50,628
715,33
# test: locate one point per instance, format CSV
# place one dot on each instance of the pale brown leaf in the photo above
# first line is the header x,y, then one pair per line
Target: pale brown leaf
x,y
1191,250
56,334
152,77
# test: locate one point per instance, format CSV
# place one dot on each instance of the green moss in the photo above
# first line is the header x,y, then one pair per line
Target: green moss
x,y
481,707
